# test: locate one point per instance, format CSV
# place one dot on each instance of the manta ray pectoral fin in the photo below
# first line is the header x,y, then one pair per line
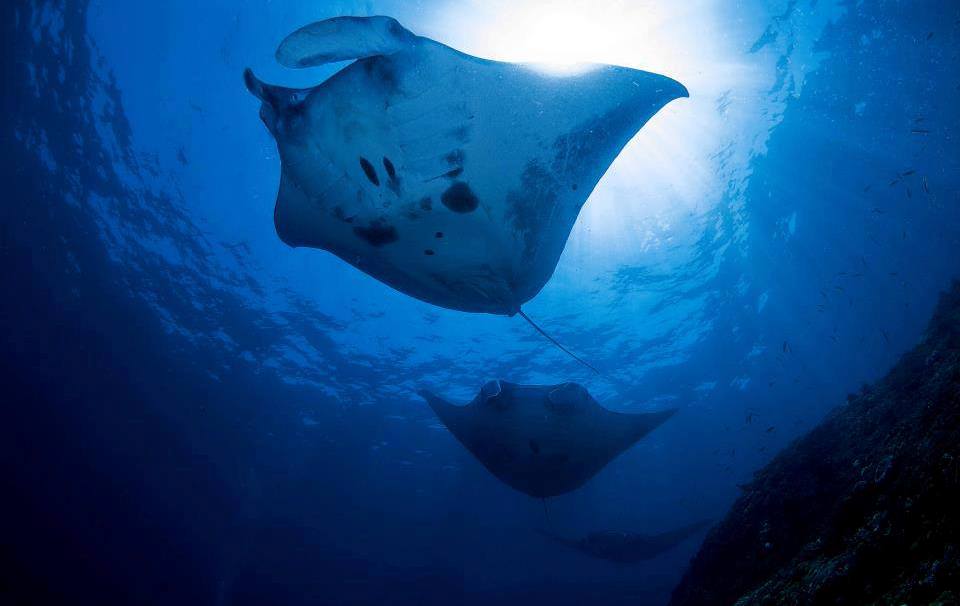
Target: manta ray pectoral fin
x,y
447,412
642,424
343,39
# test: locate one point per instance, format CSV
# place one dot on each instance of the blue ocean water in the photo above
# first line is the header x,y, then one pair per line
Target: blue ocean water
x,y
195,413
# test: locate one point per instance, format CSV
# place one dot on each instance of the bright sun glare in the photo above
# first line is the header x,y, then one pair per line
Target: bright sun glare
x,y
670,170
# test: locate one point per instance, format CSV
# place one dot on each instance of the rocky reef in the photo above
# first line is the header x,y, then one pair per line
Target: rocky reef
x,y
865,509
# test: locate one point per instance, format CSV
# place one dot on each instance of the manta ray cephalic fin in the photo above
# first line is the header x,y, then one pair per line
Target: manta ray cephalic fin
x,y
343,39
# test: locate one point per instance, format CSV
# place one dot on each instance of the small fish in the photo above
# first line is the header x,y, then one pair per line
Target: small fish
x,y
895,181
920,131
926,185
786,347
771,429
886,337
930,35
907,173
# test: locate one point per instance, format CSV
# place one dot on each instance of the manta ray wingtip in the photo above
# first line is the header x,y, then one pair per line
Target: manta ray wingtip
x,y
432,399
676,89
664,415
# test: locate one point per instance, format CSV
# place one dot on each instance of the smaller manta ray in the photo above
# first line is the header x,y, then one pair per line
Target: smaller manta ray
x,y
628,547
543,440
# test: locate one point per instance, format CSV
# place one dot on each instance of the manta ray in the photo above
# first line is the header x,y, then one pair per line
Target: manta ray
x,y
628,547
451,178
543,440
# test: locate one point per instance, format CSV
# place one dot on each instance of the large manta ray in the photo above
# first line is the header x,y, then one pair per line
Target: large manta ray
x,y
543,440
453,179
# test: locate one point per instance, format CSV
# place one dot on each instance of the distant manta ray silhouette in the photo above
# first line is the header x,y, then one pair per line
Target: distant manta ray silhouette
x,y
453,179
629,547
543,440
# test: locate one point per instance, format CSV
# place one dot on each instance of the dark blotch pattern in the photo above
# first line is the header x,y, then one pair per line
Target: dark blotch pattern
x,y
342,216
370,171
382,70
377,233
388,165
460,198
455,158
461,133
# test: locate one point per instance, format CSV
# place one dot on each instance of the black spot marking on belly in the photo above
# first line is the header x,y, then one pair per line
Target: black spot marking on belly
x,y
429,252
534,447
426,204
439,234
339,214
455,158
382,70
460,198
461,133
388,165
369,171
377,233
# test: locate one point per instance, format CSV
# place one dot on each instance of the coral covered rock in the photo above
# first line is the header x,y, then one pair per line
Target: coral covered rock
x,y
865,509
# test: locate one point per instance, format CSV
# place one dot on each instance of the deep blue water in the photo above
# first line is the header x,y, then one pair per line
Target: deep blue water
x,y
195,413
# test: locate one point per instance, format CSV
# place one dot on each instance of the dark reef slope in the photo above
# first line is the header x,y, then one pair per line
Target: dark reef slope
x,y
865,509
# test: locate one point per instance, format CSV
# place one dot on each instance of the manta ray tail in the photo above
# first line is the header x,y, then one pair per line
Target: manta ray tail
x,y
555,342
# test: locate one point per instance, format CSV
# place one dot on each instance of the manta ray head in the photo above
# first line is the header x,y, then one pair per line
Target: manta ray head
x,y
283,109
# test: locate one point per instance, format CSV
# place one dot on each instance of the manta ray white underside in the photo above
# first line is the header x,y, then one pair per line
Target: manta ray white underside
x,y
453,179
